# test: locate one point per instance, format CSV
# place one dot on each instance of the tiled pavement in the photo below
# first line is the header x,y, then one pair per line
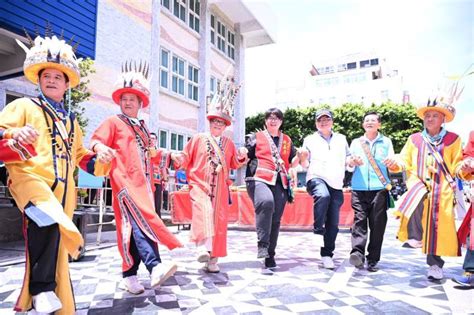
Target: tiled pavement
x,y
299,284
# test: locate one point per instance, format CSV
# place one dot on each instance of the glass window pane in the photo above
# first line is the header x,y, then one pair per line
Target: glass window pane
x,y
163,139
196,93
181,87
173,141
175,64
180,142
190,91
196,75
164,79
174,84
164,58
181,67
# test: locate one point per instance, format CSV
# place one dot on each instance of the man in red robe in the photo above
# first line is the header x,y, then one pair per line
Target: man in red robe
x,y
139,229
208,159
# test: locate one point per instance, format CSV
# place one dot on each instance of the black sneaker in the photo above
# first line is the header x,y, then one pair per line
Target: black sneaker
x,y
262,252
270,262
372,266
356,260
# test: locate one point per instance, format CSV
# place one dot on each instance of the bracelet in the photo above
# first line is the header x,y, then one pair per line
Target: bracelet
x,y
7,134
93,147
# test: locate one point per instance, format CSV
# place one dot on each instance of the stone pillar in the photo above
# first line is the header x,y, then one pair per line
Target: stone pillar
x,y
204,63
155,68
239,110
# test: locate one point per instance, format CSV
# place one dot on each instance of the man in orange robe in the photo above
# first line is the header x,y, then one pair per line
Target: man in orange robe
x,y
139,229
208,159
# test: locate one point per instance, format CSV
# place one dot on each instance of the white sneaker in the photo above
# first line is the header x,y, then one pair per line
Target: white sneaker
x,y
46,302
328,263
161,273
415,243
212,266
435,273
203,257
132,285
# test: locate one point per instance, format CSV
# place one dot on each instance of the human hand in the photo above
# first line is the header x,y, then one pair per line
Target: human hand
x,y
242,153
390,162
178,158
27,134
104,153
302,154
355,160
468,165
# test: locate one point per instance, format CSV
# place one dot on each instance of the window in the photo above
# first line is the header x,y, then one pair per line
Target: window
x,y
230,45
221,32
352,65
364,63
188,139
342,67
180,142
164,68
193,83
194,14
213,29
163,139
177,79
179,9
374,62
166,3
222,37
174,142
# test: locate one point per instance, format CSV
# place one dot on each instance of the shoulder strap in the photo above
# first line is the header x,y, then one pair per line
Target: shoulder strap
x,y
219,152
440,161
374,165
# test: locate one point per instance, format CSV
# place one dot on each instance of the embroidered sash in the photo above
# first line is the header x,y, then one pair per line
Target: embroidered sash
x,y
375,166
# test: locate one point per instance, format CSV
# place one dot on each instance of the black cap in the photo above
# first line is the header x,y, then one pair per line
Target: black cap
x,y
323,112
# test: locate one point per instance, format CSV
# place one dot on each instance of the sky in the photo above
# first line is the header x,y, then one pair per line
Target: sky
x,y
426,40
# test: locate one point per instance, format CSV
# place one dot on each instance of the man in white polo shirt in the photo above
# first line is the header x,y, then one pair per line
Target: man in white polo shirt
x,y
324,153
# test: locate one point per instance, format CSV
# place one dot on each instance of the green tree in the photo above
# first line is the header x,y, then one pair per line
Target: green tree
x,y
81,92
398,121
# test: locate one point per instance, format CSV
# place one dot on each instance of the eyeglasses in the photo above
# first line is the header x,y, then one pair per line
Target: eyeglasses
x,y
326,119
218,122
273,118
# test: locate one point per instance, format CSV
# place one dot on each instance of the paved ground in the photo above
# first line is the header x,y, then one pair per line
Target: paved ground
x,y
299,285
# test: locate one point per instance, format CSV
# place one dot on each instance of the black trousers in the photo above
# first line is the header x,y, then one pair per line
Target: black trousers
x,y
43,245
158,198
415,231
141,249
370,210
269,202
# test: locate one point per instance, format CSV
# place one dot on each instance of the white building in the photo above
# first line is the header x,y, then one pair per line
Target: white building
x,y
357,78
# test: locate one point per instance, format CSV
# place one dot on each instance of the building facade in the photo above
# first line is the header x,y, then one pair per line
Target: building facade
x,y
365,78
190,46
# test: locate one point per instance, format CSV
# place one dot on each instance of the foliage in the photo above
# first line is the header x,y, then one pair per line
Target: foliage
x,y
81,92
398,121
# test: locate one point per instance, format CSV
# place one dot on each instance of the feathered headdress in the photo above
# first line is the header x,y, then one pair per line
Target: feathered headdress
x,y
133,79
222,103
443,102
50,52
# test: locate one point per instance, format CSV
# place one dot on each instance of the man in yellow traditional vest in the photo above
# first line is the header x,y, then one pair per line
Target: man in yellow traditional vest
x,y
42,182
431,159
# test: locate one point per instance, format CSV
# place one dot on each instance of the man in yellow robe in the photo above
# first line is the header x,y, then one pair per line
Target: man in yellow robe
x,y
431,159
43,184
